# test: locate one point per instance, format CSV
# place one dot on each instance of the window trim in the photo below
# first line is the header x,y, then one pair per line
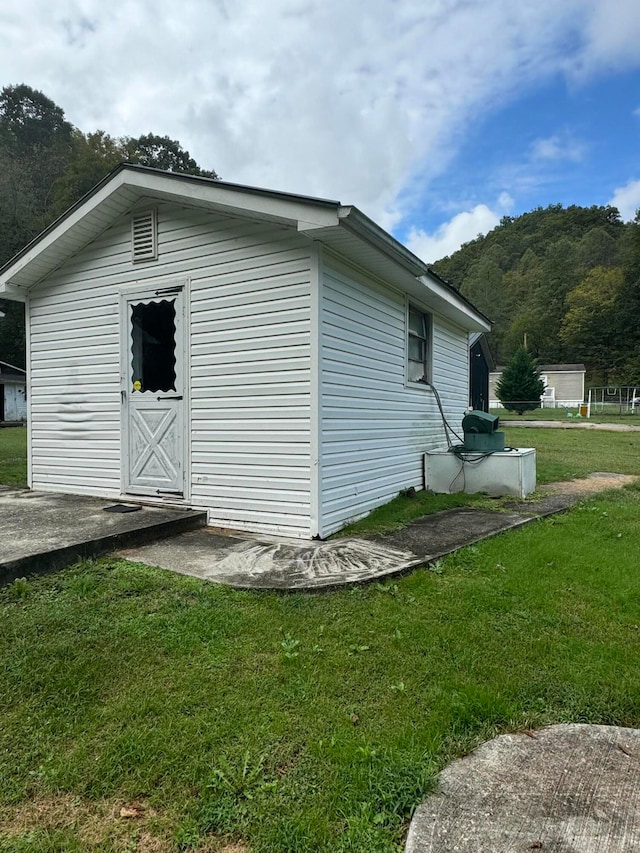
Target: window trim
x,y
427,317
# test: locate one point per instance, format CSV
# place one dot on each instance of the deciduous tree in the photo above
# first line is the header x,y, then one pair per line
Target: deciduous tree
x,y
594,324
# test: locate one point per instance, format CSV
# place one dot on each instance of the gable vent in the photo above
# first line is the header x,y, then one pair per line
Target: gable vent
x,y
144,242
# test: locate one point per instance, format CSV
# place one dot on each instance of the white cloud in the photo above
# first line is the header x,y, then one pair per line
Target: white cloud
x,y
363,101
448,237
626,199
610,36
557,148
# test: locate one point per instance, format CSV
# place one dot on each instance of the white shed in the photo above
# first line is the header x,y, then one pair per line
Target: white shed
x,y
268,357
13,393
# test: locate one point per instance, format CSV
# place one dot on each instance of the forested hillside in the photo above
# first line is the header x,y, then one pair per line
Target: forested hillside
x,y
566,278
46,165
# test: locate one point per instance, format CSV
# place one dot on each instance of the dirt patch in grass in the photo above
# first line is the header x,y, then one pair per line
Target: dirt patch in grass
x,y
590,485
102,825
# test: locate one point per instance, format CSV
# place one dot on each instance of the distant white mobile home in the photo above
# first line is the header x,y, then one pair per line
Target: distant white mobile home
x,y
564,386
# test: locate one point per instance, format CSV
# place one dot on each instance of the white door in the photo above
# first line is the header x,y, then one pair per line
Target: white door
x,y
153,392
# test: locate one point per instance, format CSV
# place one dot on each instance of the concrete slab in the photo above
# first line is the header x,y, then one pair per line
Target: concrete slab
x,y
264,563
442,533
44,532
248,563
562,789
570,424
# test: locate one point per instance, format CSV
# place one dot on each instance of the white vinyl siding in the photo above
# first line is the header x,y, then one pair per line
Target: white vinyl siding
x,y
374,427
569,387
250,376
75,404
75,383
250,371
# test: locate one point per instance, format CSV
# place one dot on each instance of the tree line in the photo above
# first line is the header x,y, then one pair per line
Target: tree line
x,y
46,165
564,282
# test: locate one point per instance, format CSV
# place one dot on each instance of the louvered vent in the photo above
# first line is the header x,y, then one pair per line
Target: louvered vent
x,y
144,243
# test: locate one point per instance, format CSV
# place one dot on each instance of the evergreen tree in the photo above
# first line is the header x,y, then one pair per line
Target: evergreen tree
x,y
520,387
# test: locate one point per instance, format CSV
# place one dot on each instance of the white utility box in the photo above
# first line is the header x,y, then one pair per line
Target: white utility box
x,y
508,472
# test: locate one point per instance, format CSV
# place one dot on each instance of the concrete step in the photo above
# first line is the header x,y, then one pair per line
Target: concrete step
x,y
45,532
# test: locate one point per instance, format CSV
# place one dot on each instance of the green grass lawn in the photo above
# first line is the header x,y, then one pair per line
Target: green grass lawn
x,y
567,454
300,722
13,456
611,415
144,711
560,455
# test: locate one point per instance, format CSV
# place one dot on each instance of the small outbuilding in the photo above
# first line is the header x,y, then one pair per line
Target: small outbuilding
x,y
272,358
481,364
13,393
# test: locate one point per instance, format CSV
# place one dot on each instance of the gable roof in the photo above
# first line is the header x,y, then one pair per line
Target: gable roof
x,y
9,371
340,227
553,368
562,368
480,339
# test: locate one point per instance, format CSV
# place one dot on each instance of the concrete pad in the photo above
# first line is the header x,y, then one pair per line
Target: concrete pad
x,y
44,532
442,533
252,562
249,563
571,424
563,789
262,563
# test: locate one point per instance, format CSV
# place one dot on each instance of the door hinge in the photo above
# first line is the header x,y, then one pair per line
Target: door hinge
x,y
169,291
179,397
170,492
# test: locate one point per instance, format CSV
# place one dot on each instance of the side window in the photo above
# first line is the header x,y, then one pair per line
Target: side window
x,y
418,345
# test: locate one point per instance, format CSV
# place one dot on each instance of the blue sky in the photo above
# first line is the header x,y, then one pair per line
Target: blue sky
x,y
435,117
550,144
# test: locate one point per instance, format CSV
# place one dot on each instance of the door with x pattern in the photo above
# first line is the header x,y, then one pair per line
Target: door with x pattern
x,y
153,392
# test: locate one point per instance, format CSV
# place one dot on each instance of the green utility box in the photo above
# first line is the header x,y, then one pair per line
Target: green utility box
x,y
481,433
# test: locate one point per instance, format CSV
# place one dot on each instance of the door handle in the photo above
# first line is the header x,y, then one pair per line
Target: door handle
x,y
169,398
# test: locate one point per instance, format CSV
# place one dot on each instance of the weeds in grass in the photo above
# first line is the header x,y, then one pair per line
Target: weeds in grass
x,y
241,780
20,588
121,682
290,646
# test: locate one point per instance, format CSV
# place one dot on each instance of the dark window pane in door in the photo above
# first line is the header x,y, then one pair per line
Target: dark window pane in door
x,y
153,346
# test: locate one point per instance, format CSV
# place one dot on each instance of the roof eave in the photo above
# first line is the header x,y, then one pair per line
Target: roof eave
x,y
449,300
283,208
126,185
